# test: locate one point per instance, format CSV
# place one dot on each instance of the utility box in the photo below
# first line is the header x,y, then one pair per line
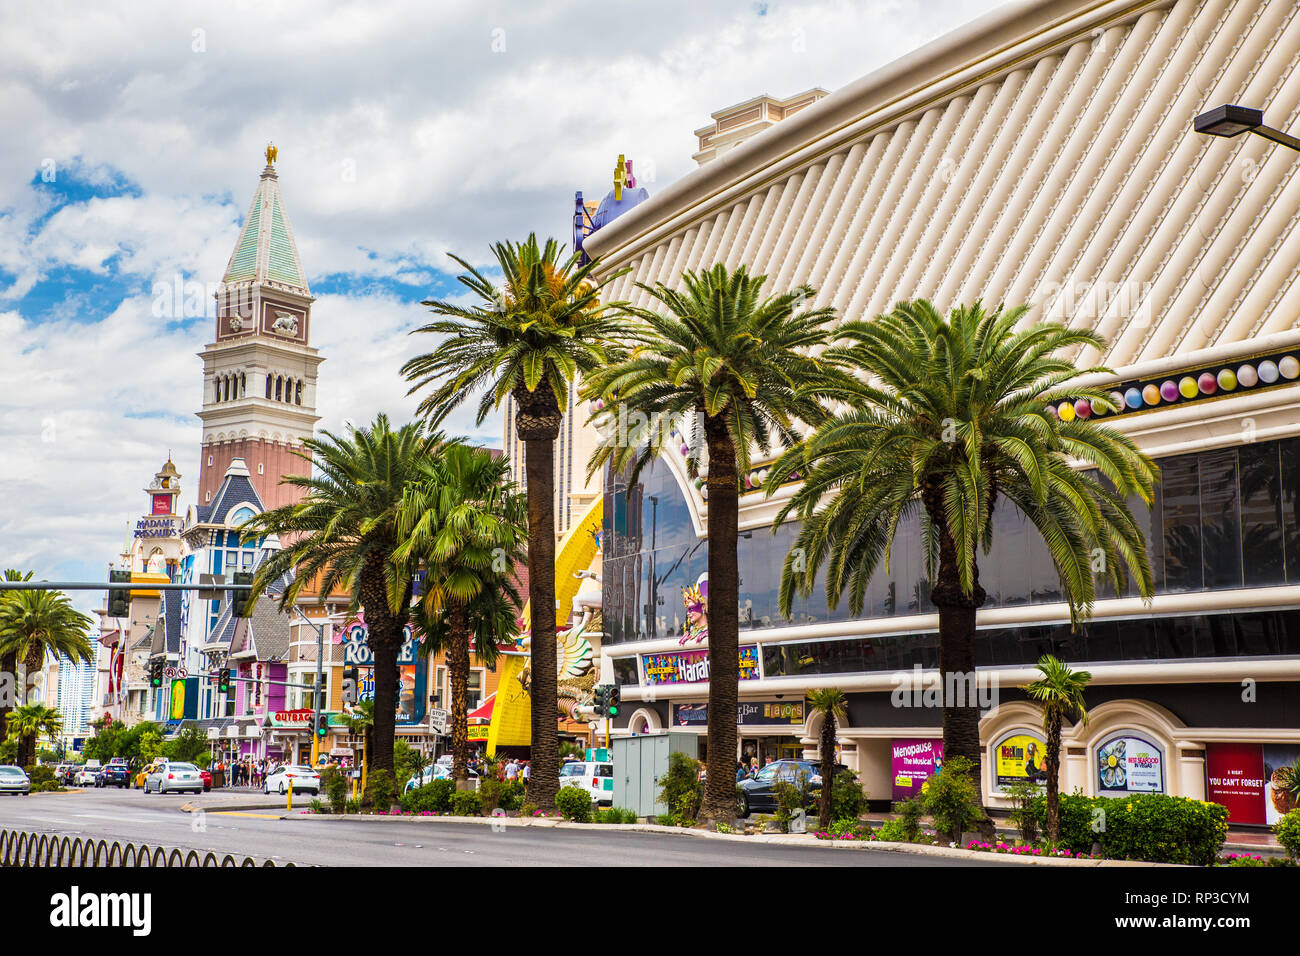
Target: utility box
x,y
639,763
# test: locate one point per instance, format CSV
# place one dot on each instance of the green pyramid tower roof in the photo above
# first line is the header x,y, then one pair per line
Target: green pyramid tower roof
x,y
266,250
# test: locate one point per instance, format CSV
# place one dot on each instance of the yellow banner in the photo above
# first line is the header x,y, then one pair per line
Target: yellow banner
x,y
512,711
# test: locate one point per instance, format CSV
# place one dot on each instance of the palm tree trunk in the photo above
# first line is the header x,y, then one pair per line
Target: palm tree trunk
x,y
1053,772
827,768
539,464
961,718
9,667
384,635
724,624
458,670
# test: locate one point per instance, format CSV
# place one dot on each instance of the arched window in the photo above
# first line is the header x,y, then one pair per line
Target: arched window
x,y
243,383
297,395
268,386
279,388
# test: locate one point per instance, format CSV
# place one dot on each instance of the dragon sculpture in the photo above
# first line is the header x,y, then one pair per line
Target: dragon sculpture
x,y
578,666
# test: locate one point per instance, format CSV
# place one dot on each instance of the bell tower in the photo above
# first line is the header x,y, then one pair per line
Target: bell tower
x,y
259,375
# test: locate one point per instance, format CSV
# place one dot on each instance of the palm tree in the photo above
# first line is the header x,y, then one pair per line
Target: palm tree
x,y
342,534
1060,692
36,623
528,340
732,362
467,527
27,723
831,704
361,723
946,416
9,659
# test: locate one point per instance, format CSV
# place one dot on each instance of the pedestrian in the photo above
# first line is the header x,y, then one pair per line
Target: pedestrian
x,y
512,770
527,771
740,770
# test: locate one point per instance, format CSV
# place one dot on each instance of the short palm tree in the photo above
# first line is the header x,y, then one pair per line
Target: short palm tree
x,y
32,625
466,526
342,535
946,418
832,705
9,659
361,723
731,362
527,340
29,722
1060,693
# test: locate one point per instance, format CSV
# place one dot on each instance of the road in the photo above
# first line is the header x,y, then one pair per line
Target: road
x,y
158,820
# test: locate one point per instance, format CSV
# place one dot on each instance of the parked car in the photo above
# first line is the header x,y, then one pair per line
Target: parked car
x,y
207,778
149,768
594,777
114,775
437,771
300,775
759,793
14,780
174,777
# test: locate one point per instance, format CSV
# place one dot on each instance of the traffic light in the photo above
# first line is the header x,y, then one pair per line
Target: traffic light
x,y
350,684
612,699
223,680
155,673
239,599
119,601
322,725
602,700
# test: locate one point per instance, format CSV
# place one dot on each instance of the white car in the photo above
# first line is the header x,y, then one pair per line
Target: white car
x,y
174,777
300,776
88,775
594,777
437,771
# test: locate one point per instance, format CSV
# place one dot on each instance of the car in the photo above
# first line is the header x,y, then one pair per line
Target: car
x,y
759,793
86,776
174,777
207,778
14,780
300,776
595,777
149,768
437,771
114,775
65,772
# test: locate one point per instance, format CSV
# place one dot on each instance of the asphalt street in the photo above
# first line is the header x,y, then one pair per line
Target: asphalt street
x,y
260,833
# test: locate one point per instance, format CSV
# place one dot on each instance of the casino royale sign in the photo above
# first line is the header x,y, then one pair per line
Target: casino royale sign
x,y
692,667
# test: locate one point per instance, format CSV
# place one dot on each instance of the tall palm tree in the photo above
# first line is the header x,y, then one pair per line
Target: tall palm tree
x,y
36,623
528,339
948,417
9,659
30,721
832,705
731,362
1060,693
467,527
342,535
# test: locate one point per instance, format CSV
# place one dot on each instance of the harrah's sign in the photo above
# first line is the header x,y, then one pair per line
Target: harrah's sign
x,y
692,667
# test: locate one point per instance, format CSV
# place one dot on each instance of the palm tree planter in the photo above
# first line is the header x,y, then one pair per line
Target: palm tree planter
x,y
528,340
946,416
1060,694
731,362
342,535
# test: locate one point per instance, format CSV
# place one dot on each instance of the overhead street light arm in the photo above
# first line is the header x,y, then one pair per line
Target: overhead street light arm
x,y
1230,120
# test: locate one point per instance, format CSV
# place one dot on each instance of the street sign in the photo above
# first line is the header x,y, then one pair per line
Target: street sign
x,y
438,721
209,587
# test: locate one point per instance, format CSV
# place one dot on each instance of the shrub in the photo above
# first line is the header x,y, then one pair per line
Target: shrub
x,y
315,806
434,797
952,799
849,827
895,831
42,778
381,791
1162,829
1287,831
791,797
354,806
466,803
1077,816
1022,796
615,815
511,795
681,790
527,809
574,803
909,820
847,799
335,787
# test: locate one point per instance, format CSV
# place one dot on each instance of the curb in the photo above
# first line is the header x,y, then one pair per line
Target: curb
x,y
777,839
226,808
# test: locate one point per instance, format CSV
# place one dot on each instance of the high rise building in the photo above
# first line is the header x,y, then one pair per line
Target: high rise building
x,y
743,121
259,375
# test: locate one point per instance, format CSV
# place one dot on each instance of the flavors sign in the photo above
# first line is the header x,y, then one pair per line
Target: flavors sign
x,y
748,713
692,667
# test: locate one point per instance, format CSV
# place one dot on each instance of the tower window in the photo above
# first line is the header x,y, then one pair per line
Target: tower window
x,y
297,398
209,461
268,386
260,468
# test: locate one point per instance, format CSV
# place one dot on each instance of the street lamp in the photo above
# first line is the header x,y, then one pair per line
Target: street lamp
x,y
1229,121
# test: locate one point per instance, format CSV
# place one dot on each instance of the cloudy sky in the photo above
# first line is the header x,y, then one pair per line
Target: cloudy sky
x,y
133,138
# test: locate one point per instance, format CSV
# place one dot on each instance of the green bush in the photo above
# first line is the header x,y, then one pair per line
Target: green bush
x,y
952,799
335,787
895,831
1287,831
574,803
681,790
847,799
1022,796
615,815
851,825
315,806
42,778
909,819
1077,816
790,797
354,806
433,797
381,791
1162,829
466,803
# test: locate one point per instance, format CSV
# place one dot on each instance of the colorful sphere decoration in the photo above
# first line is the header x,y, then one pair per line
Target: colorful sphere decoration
x,y
1289,366
1151,394
1083,408
1187,386
1065,411
1268,373
1133,398
1207,383
1227,379
1247,377
1169,390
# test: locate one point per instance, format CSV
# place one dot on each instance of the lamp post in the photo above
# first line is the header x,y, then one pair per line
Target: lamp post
x,y
1229,121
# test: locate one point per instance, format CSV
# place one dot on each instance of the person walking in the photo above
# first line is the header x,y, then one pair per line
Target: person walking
x,y
526,771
